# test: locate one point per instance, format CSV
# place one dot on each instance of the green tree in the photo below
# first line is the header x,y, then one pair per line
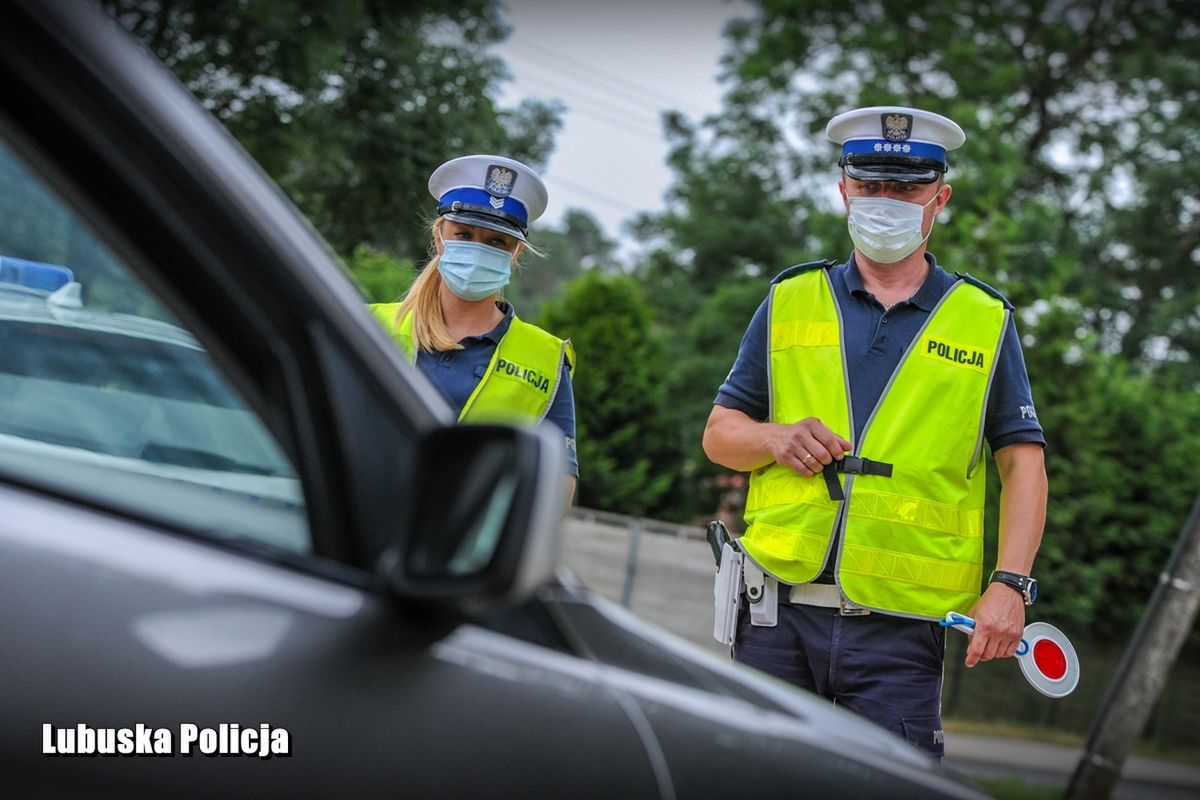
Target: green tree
x,y
349,106
380,277
564,253
625,440
700,358
1124,472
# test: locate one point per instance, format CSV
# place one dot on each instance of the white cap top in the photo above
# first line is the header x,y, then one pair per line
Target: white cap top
x,y
492,192
894,143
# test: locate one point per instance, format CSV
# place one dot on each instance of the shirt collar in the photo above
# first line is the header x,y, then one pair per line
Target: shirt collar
x,y
497,333
925,298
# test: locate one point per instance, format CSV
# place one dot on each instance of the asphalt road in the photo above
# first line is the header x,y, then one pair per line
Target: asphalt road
x,y
1052,765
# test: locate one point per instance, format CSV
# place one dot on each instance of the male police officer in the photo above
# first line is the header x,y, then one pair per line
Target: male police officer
x,y
859,402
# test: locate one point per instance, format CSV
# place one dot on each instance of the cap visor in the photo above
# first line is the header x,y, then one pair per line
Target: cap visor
x,y
484,221
892,172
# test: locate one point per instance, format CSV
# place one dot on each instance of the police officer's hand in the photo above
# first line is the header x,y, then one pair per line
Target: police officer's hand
x,y
807,446
999,622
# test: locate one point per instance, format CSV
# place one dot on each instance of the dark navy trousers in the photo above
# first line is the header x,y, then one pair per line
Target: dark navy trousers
x,y
887,669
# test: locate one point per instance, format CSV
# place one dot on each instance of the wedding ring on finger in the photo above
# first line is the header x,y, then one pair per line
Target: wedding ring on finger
x,y
808,457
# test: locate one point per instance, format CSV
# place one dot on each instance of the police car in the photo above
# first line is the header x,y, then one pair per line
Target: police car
x,y
244,549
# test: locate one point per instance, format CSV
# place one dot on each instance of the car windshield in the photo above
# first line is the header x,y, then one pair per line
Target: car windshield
x,y
105,397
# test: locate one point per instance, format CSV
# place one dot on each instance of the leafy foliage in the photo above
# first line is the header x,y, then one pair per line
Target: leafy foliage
x,y
715,328
380,277
562,255
625,441
1124,472
349,106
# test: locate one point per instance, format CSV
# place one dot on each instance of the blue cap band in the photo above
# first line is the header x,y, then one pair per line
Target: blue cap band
x,y
883,147
478,197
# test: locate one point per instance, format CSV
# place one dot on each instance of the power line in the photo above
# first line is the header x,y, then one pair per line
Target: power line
x,y
530,77
616,121
589,82
600,197
532,50
617,118
592,71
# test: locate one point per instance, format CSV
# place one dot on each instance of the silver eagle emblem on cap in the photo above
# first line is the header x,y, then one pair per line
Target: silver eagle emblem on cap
x,y
499,181
897,127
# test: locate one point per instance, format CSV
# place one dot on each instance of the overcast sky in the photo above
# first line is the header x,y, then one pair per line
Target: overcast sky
x,y
616,65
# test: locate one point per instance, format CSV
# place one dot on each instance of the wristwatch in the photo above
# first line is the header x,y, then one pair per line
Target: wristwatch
x,y
1027,586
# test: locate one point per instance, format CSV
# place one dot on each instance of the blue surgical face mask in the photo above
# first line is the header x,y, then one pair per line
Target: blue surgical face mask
x,y
474,271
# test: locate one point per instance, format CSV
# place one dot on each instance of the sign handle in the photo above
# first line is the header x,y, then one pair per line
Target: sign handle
x,y
1049,664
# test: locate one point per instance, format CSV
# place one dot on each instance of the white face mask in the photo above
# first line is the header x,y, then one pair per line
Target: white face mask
x,y
885,230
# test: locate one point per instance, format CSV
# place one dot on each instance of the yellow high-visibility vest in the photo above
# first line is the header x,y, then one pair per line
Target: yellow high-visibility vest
x,y
911,544
521,380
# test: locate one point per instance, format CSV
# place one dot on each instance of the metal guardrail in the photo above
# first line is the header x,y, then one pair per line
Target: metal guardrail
x,y
646,524
659,570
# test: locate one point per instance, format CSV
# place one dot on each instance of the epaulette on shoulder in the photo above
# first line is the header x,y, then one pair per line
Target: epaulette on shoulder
x,y
569,354
824,263
978,284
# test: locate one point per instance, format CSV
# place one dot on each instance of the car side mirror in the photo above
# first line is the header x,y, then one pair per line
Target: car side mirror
x,y
487,507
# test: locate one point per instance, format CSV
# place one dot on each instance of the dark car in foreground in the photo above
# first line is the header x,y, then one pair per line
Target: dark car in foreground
x,y
245,551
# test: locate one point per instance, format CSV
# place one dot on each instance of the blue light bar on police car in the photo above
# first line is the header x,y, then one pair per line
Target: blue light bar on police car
x,y
34,274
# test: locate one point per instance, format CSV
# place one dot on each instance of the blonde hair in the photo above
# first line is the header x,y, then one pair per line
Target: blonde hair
x,y
423,300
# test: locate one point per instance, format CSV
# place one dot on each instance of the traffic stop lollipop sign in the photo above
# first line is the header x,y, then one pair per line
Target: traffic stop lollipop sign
x,y
1047,659
1049,663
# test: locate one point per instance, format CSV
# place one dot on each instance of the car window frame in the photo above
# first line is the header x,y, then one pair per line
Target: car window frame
x,y
130,151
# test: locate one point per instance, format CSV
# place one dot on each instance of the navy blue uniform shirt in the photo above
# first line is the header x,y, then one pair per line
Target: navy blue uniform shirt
x,y
456,373
875,340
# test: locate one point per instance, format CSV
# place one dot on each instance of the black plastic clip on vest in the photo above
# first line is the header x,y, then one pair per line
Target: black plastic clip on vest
x,y
855,466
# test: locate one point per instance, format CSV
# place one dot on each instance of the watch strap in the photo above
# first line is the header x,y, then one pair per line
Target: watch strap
x,y
1016,580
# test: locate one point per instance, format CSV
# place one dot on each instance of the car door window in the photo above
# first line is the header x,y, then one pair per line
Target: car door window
x,y
104,396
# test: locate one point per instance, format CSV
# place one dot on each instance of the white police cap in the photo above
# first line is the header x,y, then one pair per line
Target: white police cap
x,y
894,143
493,192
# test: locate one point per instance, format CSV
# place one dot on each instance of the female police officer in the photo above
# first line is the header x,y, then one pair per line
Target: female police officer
x,y
454,324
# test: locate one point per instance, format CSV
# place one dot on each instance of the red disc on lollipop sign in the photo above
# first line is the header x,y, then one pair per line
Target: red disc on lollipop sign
x,y
1048,660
